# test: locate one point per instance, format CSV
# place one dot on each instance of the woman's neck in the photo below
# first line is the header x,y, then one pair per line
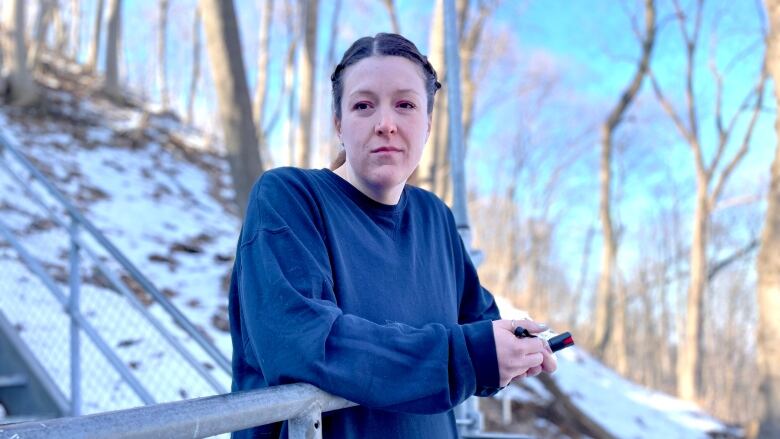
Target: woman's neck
x,y
388,196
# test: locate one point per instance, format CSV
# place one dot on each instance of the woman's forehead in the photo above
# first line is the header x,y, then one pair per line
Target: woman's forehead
x,y
381,72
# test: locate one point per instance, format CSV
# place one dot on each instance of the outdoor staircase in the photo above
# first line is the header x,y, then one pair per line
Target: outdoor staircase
x,y
27,393
38,379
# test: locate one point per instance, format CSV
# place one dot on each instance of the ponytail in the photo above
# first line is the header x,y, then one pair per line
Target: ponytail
x,y
340,159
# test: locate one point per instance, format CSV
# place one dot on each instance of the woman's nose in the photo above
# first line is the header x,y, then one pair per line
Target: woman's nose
x,y
386,124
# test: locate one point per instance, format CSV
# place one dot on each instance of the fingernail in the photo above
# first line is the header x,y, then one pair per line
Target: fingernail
x,y
543,326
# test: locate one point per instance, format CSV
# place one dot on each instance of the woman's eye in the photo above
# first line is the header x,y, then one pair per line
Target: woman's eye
x,y
407,105
361,106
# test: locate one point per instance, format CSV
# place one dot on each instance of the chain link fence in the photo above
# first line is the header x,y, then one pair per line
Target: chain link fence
x,y
120,314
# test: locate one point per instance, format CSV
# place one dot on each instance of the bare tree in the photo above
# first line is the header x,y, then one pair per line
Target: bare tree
x,y
606,304
261,86
60,27
433,172
309,17
227,66
291,73
75,29
331,62
768,263
710,180
195,67
162,77
22,90
434,162
390,6
97,28
42,22
111,85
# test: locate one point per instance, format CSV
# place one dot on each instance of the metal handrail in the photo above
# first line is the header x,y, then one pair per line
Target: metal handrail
x,y
91,332
119,286
301,403
179,318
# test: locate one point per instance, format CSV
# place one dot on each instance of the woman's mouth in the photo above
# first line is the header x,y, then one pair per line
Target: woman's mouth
x,y
386,149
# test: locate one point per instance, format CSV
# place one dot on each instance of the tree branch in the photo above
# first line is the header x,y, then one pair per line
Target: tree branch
x,y
721,181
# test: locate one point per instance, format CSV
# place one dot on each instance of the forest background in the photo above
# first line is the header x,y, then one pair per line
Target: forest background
x,y
618,152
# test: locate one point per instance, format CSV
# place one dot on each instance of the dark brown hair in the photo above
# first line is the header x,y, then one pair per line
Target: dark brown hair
x,y
383,44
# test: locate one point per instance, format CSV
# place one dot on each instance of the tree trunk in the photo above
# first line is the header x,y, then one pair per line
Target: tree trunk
x,y
309,14
227,66
435,157
111,85
22,90
75,29
335,146
390,5
261,87
42,22
768,262
690,350
605,296
162,76
287,100
60,29
97,28
195,77
433,173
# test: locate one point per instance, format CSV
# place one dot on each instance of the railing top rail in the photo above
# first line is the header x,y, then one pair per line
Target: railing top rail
x,y
193,418
146,284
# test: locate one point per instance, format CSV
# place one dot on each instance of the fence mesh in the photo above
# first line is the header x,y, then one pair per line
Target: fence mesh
x,y
44,324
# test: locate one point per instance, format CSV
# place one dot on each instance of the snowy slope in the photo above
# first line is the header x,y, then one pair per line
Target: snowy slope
x,y
157,191
623,408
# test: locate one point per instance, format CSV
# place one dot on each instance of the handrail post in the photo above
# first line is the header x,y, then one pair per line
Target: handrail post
x,y
73,304
307,425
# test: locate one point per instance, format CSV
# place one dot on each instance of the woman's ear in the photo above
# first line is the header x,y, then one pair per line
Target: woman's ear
x,y
428,133
337,124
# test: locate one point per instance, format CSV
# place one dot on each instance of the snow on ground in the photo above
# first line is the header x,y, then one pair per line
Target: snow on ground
x,y
154,205
157,204
623,408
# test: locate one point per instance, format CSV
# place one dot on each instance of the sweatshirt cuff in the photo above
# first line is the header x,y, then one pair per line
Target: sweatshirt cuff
x,y
482,350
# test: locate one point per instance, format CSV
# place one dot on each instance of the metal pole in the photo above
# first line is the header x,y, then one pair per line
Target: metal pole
x,y
75,342
455,127
469,409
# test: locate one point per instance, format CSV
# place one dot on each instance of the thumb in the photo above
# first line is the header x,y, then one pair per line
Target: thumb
x,y
532,326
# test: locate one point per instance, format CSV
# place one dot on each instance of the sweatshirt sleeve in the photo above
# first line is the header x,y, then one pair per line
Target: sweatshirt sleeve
x,y
297,333
477,305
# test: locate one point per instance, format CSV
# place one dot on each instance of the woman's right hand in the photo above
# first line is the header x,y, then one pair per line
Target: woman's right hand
x,y
521,357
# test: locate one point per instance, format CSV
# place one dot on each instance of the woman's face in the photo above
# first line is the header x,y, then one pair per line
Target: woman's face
x,y
384,124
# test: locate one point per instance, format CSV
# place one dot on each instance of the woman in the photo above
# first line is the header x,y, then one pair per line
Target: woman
x,y
359,284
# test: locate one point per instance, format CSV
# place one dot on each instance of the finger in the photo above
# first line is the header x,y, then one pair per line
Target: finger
x,y
503,324
534,371
526,362
527,346
549,362
532,326
518,378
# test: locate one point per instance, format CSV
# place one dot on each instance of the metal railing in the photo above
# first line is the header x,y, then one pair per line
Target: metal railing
x,y
62,213
302,404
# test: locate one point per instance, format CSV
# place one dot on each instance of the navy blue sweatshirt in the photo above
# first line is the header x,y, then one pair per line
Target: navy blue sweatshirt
x,y
378,304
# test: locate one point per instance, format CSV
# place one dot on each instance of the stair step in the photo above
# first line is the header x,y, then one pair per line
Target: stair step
x,y
13,380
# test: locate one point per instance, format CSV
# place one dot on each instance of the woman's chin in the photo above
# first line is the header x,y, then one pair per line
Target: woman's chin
x,y
387,179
